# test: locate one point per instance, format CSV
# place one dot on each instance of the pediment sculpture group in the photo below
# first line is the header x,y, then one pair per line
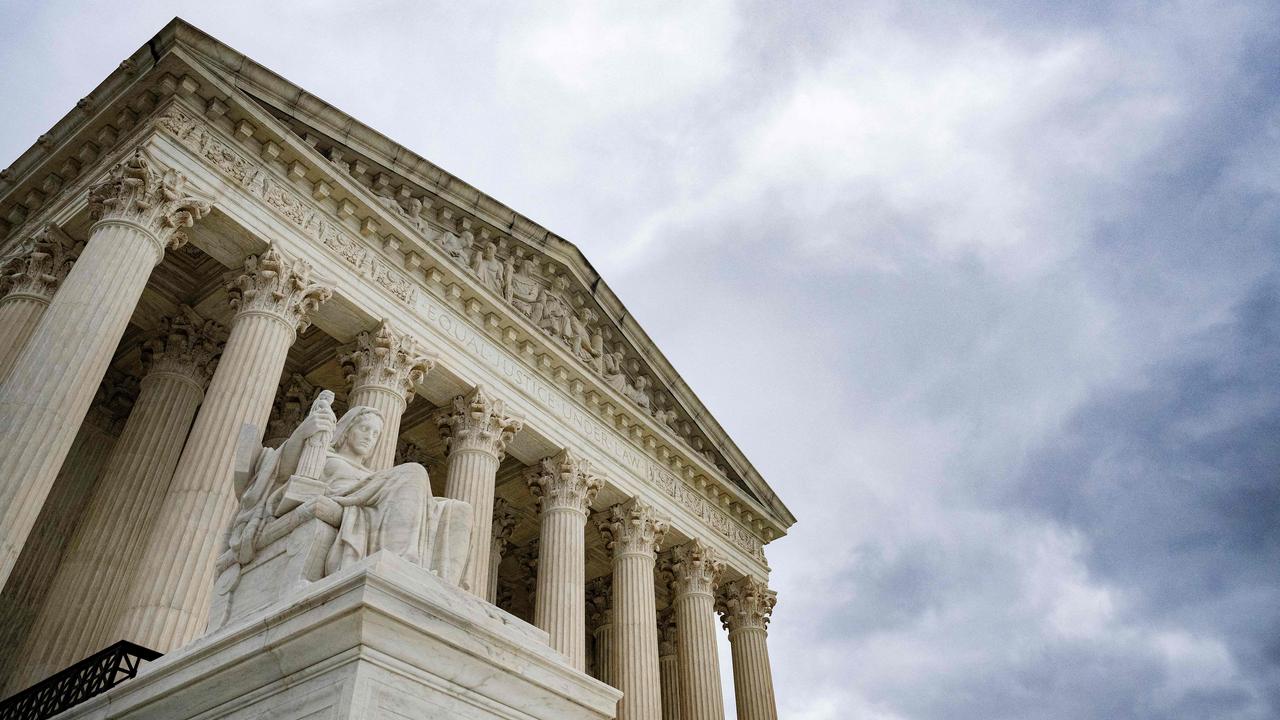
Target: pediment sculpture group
x,y
547,303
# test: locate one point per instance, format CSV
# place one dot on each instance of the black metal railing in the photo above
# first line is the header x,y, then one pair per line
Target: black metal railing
x,y
91,676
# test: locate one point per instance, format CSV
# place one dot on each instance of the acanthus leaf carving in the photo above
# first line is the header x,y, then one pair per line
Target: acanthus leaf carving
x,y
37,266
281,287
140,191
186,346
478,421
696,568
386,359
633,527
564,481
746,603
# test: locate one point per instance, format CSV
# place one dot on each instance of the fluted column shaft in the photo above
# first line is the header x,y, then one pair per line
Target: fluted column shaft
x,y
102,558
752,677
504,522
558,605
383,366
668,665
606,658
29,585
565,487
477,431
697,568
634,532
19,314
745,606
471,478
169,603
53,380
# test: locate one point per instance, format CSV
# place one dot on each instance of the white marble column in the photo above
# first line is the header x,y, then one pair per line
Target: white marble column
x,y
697,569
29,277
137,213
565,488
745,606
476,431
504,521
600,617
169,603
383,366
28,587
668,665
634,530
102,558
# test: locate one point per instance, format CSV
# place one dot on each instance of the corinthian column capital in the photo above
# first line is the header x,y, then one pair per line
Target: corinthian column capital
x,y
746,603
696,568
141,193
186,348
37,266
478,421
278,287
565,481
633,528
385,360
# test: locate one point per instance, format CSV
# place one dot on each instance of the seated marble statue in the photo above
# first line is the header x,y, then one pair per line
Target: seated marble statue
x,y
321,467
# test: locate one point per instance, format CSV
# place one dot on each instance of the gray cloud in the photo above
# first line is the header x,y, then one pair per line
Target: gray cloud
x,y
987,291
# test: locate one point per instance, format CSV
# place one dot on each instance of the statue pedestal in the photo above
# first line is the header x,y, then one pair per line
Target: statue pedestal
x,y
382,639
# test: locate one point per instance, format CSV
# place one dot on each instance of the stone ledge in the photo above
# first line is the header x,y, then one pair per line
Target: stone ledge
x,y
381,638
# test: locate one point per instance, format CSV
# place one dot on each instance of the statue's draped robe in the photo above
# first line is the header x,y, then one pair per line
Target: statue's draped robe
x,y
393,510
390,510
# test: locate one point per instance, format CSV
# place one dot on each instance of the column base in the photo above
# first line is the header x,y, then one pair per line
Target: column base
x,y
384,638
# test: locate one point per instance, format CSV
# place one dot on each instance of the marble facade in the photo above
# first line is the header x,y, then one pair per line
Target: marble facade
x,y
201,224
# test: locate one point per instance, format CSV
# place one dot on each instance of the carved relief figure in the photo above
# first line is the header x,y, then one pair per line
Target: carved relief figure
x,y
523,287
489,269
613,373
588,343
639,391
457,246
390,509
552,311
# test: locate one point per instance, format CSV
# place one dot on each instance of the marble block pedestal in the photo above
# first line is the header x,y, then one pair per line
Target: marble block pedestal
x,y
382,639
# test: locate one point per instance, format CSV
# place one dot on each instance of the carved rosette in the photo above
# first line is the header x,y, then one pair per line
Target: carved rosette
x,y
478,421
666,632
139,192
746,603
696,568
564,481
37,267
633,527
504,521
599,602
278,287
185,348
387,360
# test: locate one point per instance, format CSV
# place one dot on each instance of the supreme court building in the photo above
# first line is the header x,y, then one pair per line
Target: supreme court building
x,y
188,258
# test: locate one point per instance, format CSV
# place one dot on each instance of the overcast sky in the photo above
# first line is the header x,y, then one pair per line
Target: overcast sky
x,y
989,293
